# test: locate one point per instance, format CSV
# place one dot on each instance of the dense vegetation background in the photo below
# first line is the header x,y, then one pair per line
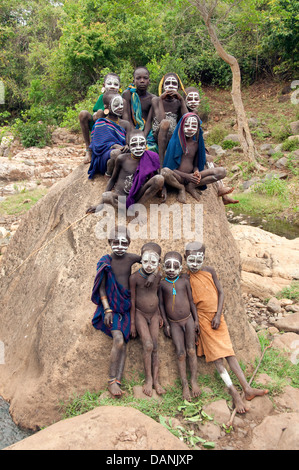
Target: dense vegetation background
x,y
53,55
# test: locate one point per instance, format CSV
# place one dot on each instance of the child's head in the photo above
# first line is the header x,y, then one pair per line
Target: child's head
x,y
141,78
119,240
170,82
111,83
192,98
191,124
113,102
150,257
172,264
195,255
137,143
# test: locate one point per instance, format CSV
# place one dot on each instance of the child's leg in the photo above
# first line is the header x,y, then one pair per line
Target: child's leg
x,y
154,331
117,363
239,405
147,345
250,392
178,338
191,353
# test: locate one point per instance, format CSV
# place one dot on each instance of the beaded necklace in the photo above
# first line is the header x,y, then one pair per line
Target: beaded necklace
x,y
173,289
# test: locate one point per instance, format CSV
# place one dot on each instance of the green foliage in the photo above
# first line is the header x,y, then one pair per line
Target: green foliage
x,y
22,201
228,144
290,292
273,187
216,135
32,134
290,145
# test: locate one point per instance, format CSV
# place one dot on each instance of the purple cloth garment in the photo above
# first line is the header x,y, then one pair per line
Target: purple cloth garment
x,y
148,166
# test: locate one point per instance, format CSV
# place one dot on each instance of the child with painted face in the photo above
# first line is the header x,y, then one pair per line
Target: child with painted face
x,y
214,341
109,136
145,314
112,295
111,84
180,319
184,163
134,175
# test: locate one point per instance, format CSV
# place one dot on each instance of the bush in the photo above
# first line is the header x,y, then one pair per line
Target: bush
x,y
228,144
290,145
273,187
32,134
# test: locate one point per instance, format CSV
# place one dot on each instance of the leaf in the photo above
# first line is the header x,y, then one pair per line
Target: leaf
x,y
194,419
206,416
209,445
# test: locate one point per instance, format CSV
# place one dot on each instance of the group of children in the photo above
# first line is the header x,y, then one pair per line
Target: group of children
x,y
161,134
146,143
187,306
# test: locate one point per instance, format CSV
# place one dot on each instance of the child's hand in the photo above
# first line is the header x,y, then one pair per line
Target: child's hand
x,y
108,319
150,280
133,331
167,330
197,328
216,322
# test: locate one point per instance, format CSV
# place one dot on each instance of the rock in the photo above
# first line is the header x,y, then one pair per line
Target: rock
x,y
281,163
285,302
288,343
277,433
289,399
294,127
293,137
218,410
113,428
252,122
274,305
289,323
138,393
52,348
216,150
292,308
269,262
259,408
265,148
233,137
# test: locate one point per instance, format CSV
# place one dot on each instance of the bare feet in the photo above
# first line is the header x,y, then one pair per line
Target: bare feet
x,y
223,190
186,393
159,389
87,158
194,192
148,388
228,200
255,392
238,402
195,390
163,194
182,196
114,388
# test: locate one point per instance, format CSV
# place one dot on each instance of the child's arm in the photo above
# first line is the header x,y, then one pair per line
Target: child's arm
x,y
103,295
163,314
192,306
115,174
216,319
132,284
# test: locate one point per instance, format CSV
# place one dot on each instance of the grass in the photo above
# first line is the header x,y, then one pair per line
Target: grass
x,y
190,415
19,203
291,292
259,205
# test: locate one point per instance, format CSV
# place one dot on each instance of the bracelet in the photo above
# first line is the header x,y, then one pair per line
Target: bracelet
x,y
107,310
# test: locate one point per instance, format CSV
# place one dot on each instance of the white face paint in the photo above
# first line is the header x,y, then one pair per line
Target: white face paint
x,y
137,145
190,126
195,261
117,105
193,100
172,267
112,83
120,245
171,84
150,261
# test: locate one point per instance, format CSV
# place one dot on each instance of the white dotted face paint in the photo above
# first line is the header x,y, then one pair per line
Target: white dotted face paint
x,y
193,100
111,83
119,246
137,145
117,105
172,267
150,261
190,126
226,378
171,84
195,261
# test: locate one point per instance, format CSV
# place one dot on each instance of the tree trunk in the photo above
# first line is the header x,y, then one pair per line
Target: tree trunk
x,y
242,122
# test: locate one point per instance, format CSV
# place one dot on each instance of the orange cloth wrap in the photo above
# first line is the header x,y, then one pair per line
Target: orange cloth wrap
x,y
213,344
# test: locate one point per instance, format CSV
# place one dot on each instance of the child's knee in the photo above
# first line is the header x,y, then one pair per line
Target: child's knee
x,y
118,340
181,355
148,346
165,124
191,351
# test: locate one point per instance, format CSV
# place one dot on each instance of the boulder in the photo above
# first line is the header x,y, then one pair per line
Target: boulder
x,y
280,432
269,262
52,350
289,323
294,127
113,428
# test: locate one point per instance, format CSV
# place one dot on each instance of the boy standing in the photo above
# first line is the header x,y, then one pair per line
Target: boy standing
x,y
145,314
180,319
214,341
